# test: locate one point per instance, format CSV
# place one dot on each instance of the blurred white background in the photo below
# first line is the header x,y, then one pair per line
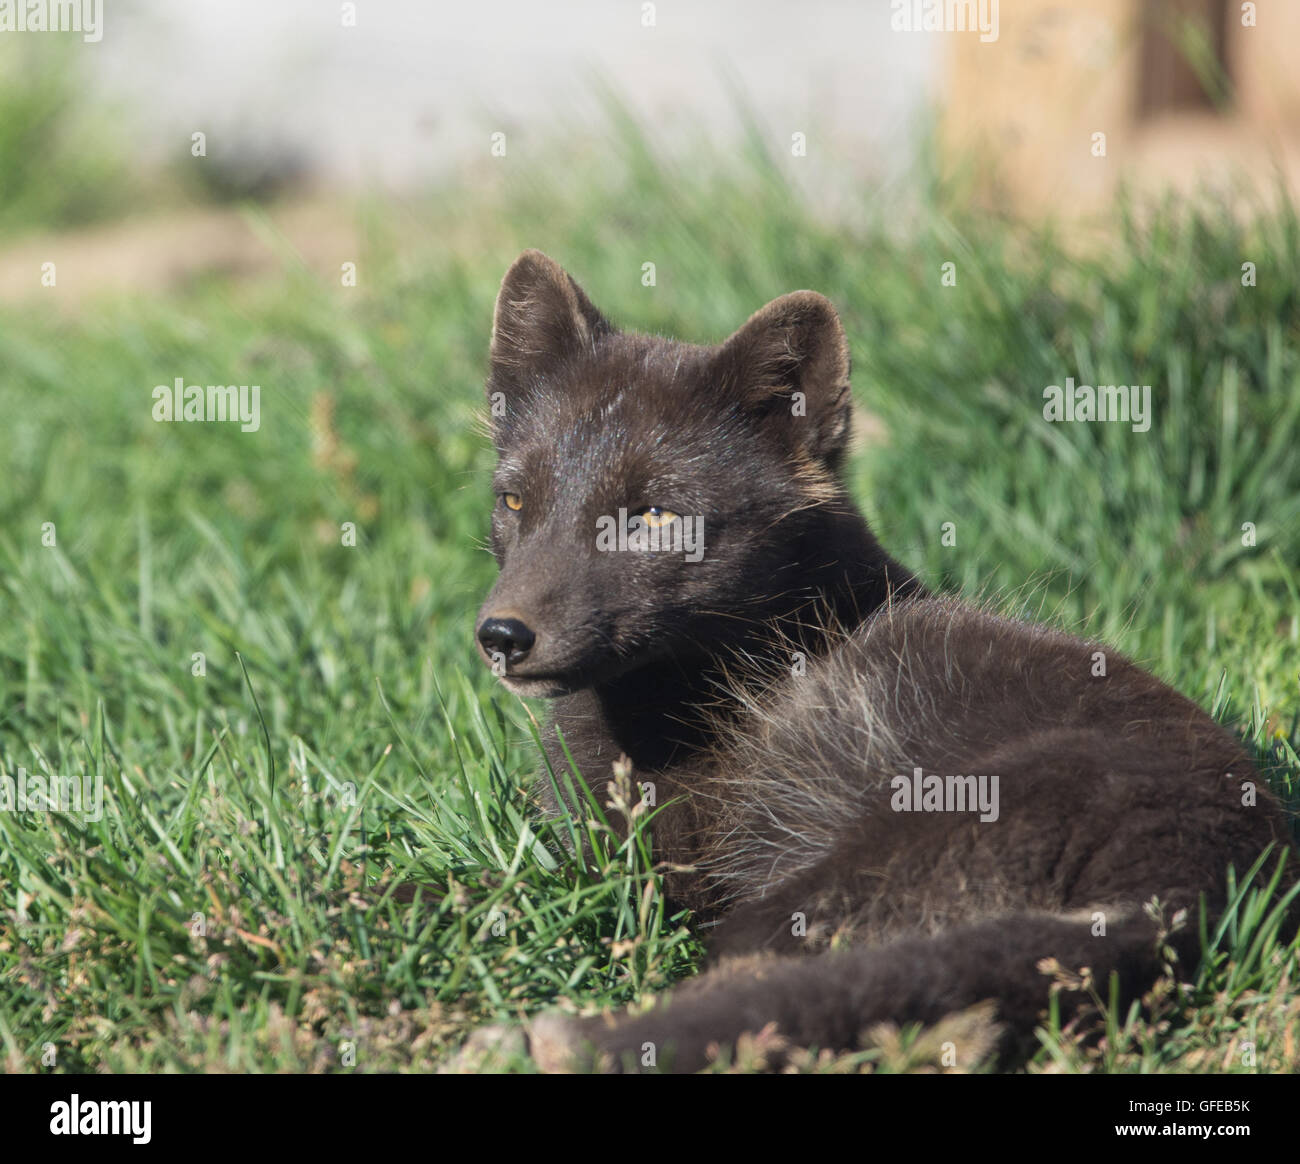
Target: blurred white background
x,y
416,87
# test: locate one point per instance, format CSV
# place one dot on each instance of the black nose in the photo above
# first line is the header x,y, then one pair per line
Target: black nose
x,y
506,636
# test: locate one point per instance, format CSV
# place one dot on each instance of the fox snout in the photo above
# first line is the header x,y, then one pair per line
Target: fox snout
x,y
541,650
524,659
506,637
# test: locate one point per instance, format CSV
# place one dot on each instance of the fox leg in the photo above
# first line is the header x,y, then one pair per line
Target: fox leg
x,y
828,1000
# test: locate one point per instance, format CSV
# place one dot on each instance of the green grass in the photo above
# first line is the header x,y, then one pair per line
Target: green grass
x,y
234,909
61,162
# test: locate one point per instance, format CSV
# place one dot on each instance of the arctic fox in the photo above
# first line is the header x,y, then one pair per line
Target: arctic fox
x,y
895,805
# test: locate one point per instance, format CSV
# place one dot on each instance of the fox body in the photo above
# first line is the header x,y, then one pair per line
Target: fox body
x,y
892,805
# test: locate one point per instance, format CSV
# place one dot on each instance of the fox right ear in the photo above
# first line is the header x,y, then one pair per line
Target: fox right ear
x,y
791,361
542,318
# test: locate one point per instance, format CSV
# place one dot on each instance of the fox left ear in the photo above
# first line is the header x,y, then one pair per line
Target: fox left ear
x,y
791,361
542,318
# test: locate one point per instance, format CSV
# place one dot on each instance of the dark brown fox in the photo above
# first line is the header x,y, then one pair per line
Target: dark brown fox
x,y
905,804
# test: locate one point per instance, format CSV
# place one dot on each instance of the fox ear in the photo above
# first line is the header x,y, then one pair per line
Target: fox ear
x,y
541,319
791,362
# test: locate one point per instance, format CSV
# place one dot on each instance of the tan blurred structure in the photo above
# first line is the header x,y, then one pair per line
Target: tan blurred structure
x,y
1186,92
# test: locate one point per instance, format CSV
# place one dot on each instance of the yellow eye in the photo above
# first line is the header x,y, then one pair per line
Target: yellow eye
x,y
513,501
656,517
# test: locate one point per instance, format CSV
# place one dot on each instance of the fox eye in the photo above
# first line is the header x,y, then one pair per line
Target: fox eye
x,y
512,501
656,516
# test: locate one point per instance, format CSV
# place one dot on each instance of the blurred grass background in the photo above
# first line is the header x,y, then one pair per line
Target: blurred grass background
x,y
234,909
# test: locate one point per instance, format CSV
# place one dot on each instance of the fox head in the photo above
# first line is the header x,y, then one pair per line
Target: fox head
x,y
651,495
